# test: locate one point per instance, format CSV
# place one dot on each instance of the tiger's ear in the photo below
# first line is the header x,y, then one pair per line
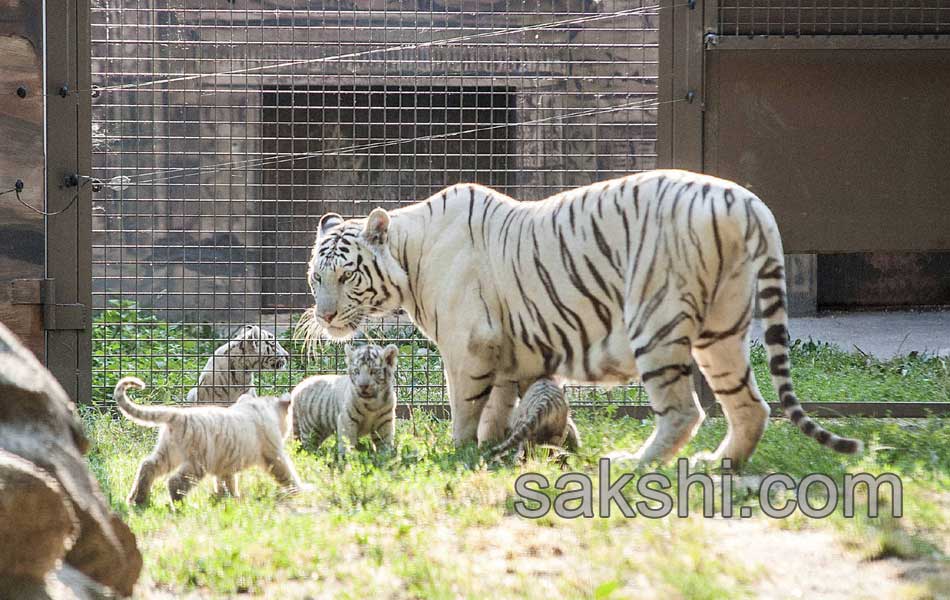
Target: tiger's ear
x,y
284,402
390,354
329,221
376,230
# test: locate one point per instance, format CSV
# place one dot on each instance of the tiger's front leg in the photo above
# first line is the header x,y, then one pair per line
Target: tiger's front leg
x,y
467,398
494,419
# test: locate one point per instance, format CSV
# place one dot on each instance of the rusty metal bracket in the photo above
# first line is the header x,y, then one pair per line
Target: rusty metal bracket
x,y
56,317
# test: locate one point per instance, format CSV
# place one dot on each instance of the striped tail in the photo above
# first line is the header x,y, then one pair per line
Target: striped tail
x,y
540,399
520,434
771,294
150,416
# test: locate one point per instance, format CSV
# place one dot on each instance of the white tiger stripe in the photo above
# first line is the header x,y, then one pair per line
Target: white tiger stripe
x,y
210,440
360,403
229,373
636,277
542,417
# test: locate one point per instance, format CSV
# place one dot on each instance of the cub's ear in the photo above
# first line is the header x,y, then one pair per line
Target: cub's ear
x,y
328,222
376,230
249,332
284,402
390,354
250,338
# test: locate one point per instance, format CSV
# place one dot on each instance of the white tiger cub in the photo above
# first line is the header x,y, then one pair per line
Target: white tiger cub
x,y
633,278
210,440
360,403
229,372
543,416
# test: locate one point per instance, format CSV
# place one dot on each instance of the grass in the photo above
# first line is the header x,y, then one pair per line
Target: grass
x,y
824,373
169,356
433,521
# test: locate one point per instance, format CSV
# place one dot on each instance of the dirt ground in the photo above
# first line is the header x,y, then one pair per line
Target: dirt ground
x,y
786,563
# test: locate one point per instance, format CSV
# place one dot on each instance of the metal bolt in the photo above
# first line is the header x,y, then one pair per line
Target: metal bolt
x,y
18,185
64,91
71,180
21,91
690,96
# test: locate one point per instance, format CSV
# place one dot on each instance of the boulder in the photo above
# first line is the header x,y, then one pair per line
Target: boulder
x,y
51,507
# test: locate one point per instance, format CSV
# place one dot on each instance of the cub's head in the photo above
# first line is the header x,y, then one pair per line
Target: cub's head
x,y
259,348
370,368
352,273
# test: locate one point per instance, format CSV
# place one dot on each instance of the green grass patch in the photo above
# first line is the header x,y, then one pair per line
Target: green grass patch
x,y
130,341
433,521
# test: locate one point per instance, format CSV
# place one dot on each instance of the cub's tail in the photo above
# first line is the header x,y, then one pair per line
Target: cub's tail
x,y
519,435
541,399
150,416
772,304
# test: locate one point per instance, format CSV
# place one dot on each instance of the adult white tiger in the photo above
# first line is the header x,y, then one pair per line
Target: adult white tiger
x,y
627,278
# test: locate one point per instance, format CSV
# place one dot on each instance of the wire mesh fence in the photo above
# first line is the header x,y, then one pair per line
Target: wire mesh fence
x,y
225,129
834,17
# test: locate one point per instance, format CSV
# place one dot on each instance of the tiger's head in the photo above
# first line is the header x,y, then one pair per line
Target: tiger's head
x,y
258,348
371,368
352,273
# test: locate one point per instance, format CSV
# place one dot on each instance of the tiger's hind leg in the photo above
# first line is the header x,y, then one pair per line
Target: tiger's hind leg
x,y
182,480
225,486
663,359
726,366
677,410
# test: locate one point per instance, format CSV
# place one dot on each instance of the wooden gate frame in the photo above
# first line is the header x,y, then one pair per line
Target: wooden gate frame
x,y
67,317
46,293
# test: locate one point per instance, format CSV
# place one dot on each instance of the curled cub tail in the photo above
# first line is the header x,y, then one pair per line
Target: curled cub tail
x,y
772,304
541,401
519,435
150,416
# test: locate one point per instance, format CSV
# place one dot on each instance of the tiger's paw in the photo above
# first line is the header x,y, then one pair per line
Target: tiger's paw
x,y
713,462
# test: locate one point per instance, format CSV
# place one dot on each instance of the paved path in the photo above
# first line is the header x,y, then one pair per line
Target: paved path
x,y
882,334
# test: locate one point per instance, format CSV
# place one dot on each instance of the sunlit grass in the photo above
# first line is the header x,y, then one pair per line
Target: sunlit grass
x,y
433,521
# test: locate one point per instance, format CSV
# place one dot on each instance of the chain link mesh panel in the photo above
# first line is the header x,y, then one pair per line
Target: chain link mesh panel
x,y
834,17
223,130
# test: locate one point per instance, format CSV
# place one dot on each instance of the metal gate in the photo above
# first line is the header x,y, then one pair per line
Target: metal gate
x,y
224,130
833,111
